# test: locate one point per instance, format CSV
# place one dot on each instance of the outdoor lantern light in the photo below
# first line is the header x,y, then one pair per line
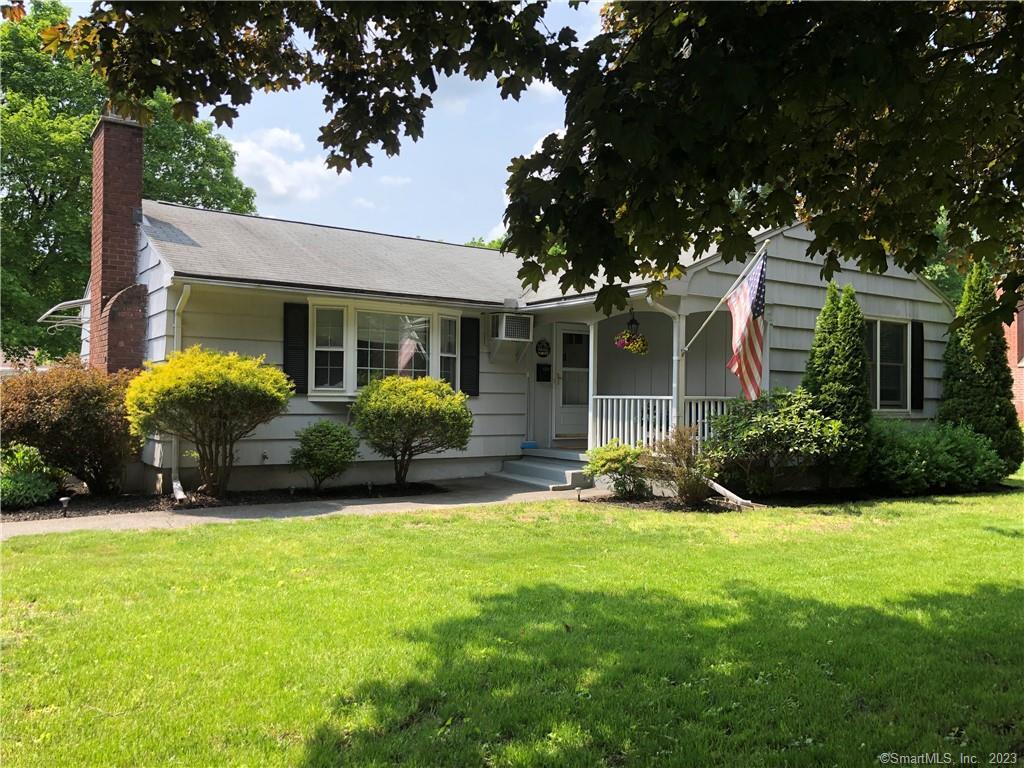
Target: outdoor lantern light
x,y
633,326
64,501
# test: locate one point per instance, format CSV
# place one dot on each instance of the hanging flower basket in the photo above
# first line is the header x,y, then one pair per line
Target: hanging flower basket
x,y
632,341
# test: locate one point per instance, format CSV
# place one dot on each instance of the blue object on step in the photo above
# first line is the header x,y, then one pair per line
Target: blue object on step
x,y
528,444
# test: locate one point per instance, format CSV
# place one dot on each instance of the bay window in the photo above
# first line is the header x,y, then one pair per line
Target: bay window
x,y
352,344
888,344
389,344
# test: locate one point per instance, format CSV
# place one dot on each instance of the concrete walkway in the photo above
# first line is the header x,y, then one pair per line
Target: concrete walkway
x,y
460,493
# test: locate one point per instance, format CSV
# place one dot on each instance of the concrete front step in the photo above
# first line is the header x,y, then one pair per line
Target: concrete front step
x,y
534,481
555,474
556,453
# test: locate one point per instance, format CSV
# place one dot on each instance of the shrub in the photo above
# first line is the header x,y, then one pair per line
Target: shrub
x,y
623,465
837,379
402,418
760,444
75,417
977,384
911,459
326,449
821,344
25,479
675,461
212,399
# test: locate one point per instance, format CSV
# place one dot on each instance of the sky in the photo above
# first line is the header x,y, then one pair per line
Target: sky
x,y
449,185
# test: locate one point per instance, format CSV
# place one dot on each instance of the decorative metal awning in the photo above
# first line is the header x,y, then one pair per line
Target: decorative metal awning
x,y
67,314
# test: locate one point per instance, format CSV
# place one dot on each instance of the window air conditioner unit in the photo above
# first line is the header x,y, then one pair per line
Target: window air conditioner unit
x,y
509,327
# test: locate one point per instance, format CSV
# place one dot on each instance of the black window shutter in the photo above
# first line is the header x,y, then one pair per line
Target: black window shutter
x,y
469,354
917,366
296,345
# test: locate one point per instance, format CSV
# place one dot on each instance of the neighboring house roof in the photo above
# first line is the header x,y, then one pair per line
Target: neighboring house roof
x,y
251,249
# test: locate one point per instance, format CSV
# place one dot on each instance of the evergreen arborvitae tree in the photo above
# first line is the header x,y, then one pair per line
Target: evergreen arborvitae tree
x,y
844,387
838,380
977,385
821,347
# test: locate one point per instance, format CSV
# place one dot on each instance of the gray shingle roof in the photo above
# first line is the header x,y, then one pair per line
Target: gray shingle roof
x,y
228,246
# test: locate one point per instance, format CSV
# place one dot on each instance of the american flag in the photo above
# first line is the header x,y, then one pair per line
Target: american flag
x,y
746,304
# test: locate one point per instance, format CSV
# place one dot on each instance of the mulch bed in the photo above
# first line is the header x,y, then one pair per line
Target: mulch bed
x,y
664,504
83,505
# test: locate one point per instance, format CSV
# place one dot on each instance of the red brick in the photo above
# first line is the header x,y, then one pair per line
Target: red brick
x,y
1016,354
118,304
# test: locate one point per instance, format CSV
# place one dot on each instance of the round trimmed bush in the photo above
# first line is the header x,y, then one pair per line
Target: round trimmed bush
x,y
403,418
326,449
624,465
211,399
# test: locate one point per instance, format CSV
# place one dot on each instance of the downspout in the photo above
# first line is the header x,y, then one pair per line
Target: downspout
x,y
676,348
179,308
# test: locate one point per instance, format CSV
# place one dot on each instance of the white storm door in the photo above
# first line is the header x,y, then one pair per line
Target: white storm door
x,y
572,379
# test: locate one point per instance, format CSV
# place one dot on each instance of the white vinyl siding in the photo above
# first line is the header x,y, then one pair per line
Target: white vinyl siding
x,y
795,294
249,321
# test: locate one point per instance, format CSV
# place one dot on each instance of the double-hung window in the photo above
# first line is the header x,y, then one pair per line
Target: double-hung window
x,y
450,351
388,344
888,345
329,348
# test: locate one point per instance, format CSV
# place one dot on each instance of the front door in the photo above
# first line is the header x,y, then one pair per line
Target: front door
x,y
572,380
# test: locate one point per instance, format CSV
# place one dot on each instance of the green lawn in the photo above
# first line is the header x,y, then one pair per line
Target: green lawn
x,y
541,634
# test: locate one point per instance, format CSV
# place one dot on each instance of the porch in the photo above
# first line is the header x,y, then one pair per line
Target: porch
x,y
588,391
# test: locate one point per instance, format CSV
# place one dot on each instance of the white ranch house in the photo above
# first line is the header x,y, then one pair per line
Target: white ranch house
x,y
335,307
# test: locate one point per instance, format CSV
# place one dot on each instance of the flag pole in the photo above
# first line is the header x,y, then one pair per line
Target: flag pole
x,y
721,301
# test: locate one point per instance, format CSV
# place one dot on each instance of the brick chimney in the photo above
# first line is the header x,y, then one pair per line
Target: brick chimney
x,y
117,308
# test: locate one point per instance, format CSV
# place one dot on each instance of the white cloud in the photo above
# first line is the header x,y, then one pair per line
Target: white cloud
x,y
275,177
362,202
280,138
395,181
455,105
539,143
498,230
544,90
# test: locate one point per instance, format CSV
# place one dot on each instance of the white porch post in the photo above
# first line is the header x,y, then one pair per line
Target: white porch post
x,y
680,343
592,386
677,321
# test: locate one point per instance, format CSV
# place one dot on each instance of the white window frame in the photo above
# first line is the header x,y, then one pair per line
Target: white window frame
x,y
352,308
313,348
877,383
458,350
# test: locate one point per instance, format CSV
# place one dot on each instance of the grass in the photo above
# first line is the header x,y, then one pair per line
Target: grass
x,y
540,634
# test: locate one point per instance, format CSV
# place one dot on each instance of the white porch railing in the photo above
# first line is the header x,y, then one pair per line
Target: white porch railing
x,y
632,418
697,412
647,418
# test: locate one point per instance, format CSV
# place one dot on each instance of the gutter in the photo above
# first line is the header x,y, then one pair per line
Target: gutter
x,y
179,308
308,288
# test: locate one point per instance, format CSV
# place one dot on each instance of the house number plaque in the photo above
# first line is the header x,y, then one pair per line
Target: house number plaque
x,y
543,348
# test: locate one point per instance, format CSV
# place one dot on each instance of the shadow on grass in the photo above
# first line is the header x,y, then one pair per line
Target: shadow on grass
x,y
551,676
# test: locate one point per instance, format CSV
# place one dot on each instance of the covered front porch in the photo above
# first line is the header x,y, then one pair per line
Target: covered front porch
x,y
586,391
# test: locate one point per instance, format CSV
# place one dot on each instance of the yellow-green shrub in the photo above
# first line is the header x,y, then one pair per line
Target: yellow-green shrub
x,y
212,399
402,418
